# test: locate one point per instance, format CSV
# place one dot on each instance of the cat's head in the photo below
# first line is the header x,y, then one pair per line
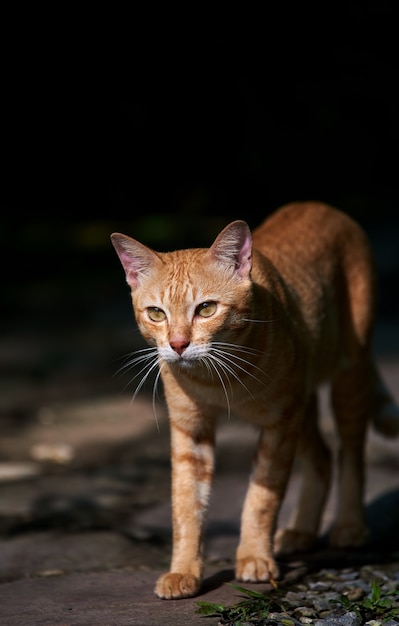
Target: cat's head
x,y
187,299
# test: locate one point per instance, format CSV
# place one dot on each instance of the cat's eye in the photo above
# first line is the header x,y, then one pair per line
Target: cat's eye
x,y
206,309
156,314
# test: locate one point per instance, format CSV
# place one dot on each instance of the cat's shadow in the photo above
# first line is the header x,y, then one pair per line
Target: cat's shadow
x,y
383,520
217,580
382,515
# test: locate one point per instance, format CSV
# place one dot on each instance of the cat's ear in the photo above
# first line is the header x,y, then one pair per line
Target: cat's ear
x,y
137,260
233,247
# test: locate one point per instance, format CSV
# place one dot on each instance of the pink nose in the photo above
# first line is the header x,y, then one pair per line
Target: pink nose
x,y
179,345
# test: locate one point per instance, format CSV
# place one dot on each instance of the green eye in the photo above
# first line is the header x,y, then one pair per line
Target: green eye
x,y
206,309
155,314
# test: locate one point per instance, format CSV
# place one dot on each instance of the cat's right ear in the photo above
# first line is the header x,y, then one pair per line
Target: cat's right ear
x,y
136,258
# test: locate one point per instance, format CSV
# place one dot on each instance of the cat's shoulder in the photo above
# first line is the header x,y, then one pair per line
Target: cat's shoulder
x,y
304,220
311,212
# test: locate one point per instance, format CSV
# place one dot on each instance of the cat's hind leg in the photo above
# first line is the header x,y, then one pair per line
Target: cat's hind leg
x,y
352,399
315,462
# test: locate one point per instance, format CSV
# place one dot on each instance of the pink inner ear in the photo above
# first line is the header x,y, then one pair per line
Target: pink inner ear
x,y
126,260
245,257
136,258
131,269
233,247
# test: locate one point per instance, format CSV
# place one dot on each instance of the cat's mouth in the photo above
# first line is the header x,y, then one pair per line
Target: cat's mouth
x,y
189,356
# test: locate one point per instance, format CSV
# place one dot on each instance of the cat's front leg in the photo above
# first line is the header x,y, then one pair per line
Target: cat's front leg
x,y
273,461
192,446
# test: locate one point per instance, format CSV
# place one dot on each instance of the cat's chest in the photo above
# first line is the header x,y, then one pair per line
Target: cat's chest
x,y
229,391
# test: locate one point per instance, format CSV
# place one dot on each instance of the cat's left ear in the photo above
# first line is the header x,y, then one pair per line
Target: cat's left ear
x,y
233,247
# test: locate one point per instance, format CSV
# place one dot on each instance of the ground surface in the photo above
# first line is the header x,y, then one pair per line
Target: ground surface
x,y
84,497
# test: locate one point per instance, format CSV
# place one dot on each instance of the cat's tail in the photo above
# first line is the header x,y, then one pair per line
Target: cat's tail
x,y
386,411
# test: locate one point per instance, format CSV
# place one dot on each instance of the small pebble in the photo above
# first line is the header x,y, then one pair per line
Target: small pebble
x,y
304,611
319,586
354,594
349,575
348,619
317,599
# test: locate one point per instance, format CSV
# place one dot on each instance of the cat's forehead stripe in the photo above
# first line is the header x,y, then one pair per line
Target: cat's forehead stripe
x,y
180,288
181,280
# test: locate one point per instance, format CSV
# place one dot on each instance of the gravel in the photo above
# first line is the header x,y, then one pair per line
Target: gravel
x,y
367,595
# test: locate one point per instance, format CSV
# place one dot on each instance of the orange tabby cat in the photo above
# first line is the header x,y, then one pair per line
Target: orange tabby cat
x,y
255,326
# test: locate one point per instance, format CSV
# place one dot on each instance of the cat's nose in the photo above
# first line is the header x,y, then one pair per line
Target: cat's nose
x,y
179,345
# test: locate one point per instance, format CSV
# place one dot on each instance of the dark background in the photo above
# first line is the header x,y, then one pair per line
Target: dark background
x,y
167,134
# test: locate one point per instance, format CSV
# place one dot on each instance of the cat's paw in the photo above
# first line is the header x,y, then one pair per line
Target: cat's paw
x,y
349,536
173,586
289,540
254,569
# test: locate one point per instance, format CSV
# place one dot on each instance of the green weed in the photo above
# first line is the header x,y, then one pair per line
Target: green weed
x,y
252,610
256,607
378,606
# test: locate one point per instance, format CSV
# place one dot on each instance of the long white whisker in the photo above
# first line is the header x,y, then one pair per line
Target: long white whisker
x,y
233,358
213,362
154,392
227,368
147,359
143,369
237,347
204,361
137,358
136,353
150,367
245,319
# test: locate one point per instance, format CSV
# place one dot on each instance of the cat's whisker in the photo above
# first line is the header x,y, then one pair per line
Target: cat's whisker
x,y
155,391
151,360
133,364
212,362
138,352
234,358
237,347
137,358
150,367
245,319
125,356
204,362
228,369
147,365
